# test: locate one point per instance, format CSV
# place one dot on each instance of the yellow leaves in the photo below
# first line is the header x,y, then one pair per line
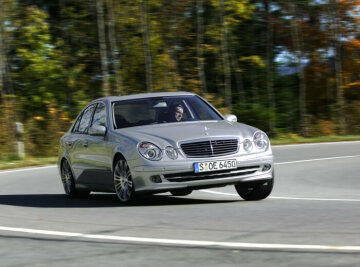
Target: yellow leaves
x,y
242,9
224,110
235,10
38,118
210,48
288,136
63,118
52,110
255,60
352,85
166,77
353,44
217,102
326,127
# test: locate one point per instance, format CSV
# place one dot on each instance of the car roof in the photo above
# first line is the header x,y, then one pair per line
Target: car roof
x,y
146,95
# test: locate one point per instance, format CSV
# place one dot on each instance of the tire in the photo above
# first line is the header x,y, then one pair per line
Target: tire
x,y
123,183
251,191
181,192
68,181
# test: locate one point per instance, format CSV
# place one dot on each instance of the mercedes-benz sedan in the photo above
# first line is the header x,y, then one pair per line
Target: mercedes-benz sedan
x,y
162,142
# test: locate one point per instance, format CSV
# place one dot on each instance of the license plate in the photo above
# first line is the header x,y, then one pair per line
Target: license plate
x,y
218,165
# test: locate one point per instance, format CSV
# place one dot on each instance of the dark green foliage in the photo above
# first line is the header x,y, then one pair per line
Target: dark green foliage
x,y
52,59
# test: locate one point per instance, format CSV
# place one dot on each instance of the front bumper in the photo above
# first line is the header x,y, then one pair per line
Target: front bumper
x,y
162,177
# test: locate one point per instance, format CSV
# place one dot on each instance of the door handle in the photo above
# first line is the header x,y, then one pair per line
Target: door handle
x,y
86,144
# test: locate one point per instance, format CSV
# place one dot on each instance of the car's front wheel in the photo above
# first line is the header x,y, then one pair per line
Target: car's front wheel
x,y
255,191
123,183
68,181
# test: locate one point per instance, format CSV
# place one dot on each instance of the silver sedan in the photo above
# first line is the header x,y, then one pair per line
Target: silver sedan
x,y
162,142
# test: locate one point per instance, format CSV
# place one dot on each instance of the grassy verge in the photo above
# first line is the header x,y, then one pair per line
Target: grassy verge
x,y
321,139
27,162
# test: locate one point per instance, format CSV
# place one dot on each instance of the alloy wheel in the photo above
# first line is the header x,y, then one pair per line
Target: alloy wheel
x,y
67,179
123,183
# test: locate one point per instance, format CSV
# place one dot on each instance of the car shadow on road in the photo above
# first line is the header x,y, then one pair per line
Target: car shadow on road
x,y
98,200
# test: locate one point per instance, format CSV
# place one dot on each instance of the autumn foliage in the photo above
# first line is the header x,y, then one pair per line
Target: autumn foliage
x,y
290,68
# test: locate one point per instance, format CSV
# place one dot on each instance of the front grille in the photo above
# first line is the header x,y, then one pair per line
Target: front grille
x,y
211,148
191,176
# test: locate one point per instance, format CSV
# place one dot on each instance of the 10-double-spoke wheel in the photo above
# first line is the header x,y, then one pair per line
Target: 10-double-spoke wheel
x,y
123,182
68,181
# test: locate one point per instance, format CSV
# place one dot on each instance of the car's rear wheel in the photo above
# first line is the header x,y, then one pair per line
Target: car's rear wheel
x,y
68,181
181,192
255,191
123,183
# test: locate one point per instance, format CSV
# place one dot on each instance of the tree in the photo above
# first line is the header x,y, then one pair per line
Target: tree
x,y
200,40
146,42
102,47
39,75
113,46
270,61
6,87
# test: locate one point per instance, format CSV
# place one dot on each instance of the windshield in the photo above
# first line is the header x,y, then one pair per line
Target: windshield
x,y
155,110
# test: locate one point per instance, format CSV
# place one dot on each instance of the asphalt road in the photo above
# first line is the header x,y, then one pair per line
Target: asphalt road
x,y
310,219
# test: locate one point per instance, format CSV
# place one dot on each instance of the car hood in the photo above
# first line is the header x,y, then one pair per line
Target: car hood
x,y
175,133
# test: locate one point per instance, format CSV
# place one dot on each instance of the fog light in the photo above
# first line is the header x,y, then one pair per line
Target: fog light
x,y
266,167
156,179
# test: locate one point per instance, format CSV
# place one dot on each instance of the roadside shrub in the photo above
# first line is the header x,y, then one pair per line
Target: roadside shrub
x,y
42,133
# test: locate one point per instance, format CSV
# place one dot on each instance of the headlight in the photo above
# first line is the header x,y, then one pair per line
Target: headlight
x,y
261,141
171,152
247,145
150,151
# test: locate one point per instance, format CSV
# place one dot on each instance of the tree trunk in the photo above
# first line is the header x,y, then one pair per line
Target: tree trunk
x,y
113,47
225,56
298,48
238,75
102,45
269,63
2,58
146,44
5,78
200,41
338,68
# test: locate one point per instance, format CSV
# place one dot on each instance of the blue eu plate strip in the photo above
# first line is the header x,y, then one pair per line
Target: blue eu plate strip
x,y
196,167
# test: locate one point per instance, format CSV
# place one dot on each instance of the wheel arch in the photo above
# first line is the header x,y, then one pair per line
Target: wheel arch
x,y
118,155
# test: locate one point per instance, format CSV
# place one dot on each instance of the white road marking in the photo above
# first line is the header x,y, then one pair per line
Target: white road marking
x,y
315,144
319,159
183,242
288,198
219,193
318,199
28,169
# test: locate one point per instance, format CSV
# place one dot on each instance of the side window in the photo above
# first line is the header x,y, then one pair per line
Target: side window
x,y
75,129
99,115
85,119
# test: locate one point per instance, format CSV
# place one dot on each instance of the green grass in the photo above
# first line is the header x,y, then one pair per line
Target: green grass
x,y
290,139
321,139
27,162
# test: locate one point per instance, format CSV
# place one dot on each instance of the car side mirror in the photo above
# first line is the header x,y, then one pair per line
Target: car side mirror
x,y
230,118
97,130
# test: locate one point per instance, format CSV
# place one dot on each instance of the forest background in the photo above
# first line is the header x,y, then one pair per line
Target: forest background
x,y
290,68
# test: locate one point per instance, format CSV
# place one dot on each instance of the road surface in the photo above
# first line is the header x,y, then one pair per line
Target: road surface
x,y
311,219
